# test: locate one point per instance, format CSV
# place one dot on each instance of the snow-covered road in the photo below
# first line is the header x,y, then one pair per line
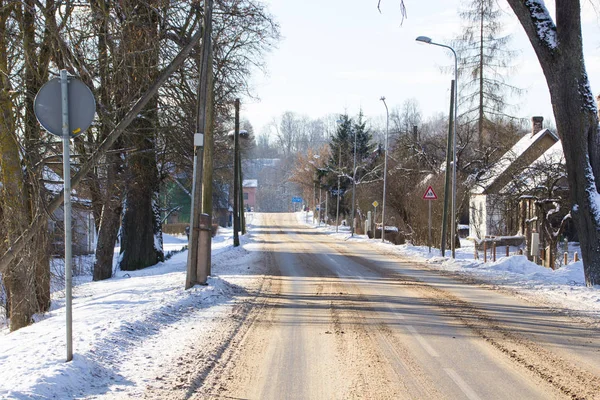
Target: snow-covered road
x,y
128,329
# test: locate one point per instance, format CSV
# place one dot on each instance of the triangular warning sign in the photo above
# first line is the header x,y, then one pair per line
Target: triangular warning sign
x,y
429,194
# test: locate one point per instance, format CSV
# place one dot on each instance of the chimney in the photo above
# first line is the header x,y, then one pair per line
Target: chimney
x,y
537,124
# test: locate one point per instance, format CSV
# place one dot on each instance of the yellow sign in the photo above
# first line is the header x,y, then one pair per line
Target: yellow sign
x,y
375,204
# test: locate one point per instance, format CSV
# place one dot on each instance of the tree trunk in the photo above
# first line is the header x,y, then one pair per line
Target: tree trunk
x,y
559,49
141,221
481,115
27,279
141,236
111,202
36,74
19,277
110,219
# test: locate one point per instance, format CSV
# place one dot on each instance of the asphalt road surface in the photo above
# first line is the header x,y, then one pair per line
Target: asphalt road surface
x,y
342,320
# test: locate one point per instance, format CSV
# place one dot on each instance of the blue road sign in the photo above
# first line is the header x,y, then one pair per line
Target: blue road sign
x,y
296,199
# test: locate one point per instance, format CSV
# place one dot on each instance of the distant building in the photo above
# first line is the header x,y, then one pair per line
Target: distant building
x,y
83,228
249,191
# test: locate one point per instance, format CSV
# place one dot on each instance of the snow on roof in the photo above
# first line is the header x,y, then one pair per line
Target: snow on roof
x,y
529,178
250,183
265,162
554,154
53,181
498,172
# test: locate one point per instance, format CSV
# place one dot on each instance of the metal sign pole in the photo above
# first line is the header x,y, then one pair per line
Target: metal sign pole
x,y
375,221
67,207
429,201
429,195
320,205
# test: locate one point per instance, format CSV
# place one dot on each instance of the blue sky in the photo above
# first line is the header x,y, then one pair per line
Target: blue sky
x,y
343,55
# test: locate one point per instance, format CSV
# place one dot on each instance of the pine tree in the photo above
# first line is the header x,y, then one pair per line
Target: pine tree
x,y
341,160
484,61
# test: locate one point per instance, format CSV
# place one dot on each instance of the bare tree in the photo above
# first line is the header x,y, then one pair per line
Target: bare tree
x,y
25,61
559,48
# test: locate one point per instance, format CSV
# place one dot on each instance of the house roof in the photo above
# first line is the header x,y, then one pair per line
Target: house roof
x,y
528,149
53,182
250,183
530,177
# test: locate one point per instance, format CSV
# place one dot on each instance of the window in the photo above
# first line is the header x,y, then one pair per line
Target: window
x,y
245,196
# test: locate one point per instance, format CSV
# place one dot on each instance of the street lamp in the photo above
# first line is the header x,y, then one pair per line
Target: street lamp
x,y
237,177
427,40
387,129
353,186
337,210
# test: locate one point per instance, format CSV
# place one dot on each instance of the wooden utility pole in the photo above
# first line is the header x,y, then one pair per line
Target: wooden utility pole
x,y
192,277
241,204
207,182
236,178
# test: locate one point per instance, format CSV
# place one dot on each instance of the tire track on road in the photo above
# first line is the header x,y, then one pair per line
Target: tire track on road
x,y
557,372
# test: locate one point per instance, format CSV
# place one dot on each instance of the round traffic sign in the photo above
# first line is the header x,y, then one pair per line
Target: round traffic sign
x,y
48,106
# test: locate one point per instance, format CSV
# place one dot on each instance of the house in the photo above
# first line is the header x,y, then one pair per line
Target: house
x,y
489,214
83,228
249,187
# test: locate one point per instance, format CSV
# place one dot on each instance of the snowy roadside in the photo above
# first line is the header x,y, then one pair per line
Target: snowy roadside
x,y
563,289
125,327
128,329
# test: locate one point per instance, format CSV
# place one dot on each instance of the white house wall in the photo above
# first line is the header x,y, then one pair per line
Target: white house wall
x,y
83,230
495,224
477,216
486,216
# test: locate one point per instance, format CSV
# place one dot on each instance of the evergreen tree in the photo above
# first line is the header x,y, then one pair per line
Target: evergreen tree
x,y
484,61
364,145
341,160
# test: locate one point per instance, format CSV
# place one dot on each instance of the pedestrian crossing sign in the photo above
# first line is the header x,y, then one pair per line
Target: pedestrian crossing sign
x,y
429,194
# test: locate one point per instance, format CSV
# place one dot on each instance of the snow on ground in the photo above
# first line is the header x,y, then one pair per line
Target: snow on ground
x,y
126,327
113,318
563,288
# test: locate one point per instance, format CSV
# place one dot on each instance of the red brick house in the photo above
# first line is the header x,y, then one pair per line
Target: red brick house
x,y
249,188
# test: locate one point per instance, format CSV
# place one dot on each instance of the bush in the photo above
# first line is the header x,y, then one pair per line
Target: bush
x,y
174,229
179,229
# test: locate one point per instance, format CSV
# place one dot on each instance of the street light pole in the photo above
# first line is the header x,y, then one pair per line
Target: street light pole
x,y
320,203
387,130
427,40
353,186
337,211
